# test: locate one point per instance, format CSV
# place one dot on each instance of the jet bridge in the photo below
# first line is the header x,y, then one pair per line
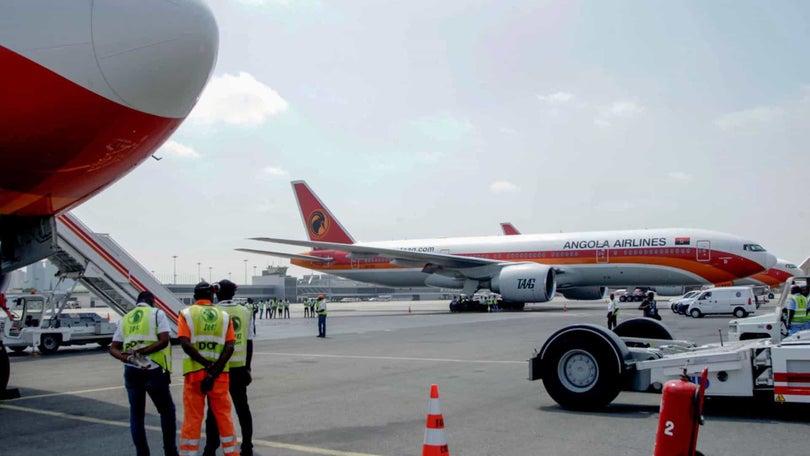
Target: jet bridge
x,y
106,269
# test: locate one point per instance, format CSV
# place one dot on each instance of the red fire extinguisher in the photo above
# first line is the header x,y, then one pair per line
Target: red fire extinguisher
x,y
681,414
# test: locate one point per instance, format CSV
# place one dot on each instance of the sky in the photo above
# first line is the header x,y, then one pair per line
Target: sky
x,y
421,119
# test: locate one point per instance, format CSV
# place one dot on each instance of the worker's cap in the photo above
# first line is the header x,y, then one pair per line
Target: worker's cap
x,y
320,297
226,286
203,290
147,297
795,289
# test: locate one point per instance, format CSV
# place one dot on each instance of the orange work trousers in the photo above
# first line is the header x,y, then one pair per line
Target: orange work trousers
x,y
219,400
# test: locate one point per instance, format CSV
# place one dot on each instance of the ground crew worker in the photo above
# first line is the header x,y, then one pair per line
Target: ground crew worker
x,y
792,304
207,336
239,371
273,308
143,334
321,316
799,320
306,309
612,312
261,310
286,308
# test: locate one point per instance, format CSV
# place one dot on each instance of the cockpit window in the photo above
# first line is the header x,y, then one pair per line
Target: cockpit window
x,y
753,247
791,266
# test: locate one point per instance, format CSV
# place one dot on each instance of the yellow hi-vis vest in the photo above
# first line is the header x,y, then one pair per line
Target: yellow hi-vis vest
x,y
208,326
140,330
240,316
319,304
801,308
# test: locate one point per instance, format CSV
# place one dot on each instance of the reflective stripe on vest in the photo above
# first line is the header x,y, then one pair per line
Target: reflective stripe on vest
x,y
801,307
241,319
208,326
140,330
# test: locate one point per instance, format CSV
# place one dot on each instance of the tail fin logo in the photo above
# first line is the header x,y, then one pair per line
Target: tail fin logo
x,y
318,224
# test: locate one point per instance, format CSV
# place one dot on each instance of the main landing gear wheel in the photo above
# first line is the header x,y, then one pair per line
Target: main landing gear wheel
x,y
582,369
644,328
49,343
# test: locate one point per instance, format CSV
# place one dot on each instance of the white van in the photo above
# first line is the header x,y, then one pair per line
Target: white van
x,y
738,301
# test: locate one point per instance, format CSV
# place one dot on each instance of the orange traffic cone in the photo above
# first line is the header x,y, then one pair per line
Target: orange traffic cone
x,y
108,316
435,440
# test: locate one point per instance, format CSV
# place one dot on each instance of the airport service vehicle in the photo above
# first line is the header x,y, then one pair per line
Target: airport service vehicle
x,y
585,366
738,301
44,325
675,302
525,267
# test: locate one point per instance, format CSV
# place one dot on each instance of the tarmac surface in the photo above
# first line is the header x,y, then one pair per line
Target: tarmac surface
x,y
364,390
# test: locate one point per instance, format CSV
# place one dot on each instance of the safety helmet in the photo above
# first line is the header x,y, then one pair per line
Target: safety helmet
x,y
203,290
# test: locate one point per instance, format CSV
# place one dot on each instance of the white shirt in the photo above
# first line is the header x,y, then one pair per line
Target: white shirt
x,y
162,323
613,305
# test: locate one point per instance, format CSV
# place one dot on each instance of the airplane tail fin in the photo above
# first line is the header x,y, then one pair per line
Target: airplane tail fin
x,y
320,223
509,229
805,266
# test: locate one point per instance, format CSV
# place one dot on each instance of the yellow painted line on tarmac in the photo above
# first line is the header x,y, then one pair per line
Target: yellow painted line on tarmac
x,y
125,424
392,358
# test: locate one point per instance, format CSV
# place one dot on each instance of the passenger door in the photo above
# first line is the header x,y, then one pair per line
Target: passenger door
x,y
704,251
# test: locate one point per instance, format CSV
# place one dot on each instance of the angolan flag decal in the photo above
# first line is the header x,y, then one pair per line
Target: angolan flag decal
x,y
682,241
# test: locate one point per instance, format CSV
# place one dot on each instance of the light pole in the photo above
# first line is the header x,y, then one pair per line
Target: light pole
x,y
198,270
209,274
174,269
246,282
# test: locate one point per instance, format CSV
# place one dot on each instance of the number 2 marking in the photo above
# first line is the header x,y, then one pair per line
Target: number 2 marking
x,y
668,427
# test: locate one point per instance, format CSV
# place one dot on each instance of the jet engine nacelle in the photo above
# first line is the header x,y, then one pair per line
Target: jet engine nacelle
x,y
584,293
525,283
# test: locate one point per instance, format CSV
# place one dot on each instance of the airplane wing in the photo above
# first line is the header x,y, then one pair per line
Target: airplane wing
x,y
288,255
432,261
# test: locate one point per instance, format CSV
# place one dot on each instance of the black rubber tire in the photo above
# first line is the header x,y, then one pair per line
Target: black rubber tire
x,y
644,328
105,342
580,370
622,299
49,343
739,312
770,296
695,313
18,348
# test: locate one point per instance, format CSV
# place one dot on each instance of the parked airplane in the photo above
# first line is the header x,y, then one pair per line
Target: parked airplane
x,y
89,90
525,268
773,277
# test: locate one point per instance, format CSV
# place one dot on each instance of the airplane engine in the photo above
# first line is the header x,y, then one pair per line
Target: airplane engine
x,y
584,293
525,283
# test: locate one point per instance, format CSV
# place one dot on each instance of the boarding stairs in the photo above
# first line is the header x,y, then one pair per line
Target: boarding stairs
x,y
106,269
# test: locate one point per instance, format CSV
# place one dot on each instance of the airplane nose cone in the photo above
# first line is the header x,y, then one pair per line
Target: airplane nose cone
x,y
156,55
770,260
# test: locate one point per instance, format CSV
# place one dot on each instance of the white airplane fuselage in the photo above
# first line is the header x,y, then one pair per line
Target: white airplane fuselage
x,y
605,258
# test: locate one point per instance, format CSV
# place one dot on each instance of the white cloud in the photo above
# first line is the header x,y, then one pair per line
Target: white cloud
x,y
618,110
681,176
507,130
443,127
557,98
749,118
175,149
237,100
275,172
499,187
